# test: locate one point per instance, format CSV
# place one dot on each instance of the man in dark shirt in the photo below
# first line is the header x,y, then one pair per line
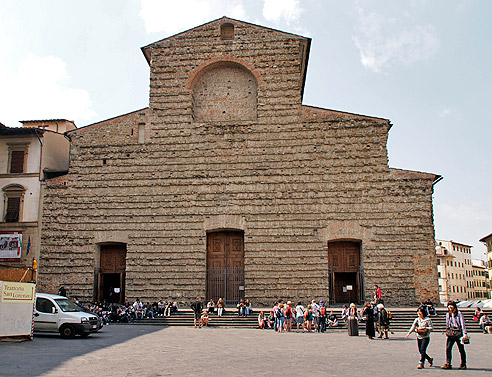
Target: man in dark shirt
x,y
197,308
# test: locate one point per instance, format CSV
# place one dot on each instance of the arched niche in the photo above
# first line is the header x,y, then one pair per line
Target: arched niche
x,y
225,91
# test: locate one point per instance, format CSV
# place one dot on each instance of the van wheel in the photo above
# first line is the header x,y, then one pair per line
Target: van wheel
x,y
67,331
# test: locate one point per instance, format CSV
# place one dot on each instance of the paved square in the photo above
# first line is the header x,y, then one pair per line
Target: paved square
x,y
184,351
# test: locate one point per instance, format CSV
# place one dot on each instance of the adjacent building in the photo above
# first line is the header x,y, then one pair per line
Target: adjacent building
x,y
444,263
227,185
487,241
455,271
480,280
28,155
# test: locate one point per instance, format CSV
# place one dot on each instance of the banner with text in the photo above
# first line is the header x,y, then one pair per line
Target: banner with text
x,y
16,308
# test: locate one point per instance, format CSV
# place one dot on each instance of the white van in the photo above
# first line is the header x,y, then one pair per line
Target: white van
x,y
55,313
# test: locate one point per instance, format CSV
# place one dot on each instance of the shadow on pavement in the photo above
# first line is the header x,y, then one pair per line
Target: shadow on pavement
x,y
47,351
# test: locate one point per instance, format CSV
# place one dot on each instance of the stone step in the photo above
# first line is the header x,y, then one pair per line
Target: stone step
x,y
402,320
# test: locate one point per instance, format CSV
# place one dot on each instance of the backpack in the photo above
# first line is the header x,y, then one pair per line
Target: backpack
x,y
288,312
306,314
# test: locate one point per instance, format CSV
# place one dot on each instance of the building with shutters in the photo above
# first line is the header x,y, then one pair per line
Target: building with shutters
x,y
227,185
487,241
28,155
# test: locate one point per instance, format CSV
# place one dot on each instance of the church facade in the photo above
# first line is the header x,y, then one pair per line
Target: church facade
x,y
228,186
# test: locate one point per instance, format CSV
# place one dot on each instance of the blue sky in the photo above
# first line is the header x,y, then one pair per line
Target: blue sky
x,y
423,64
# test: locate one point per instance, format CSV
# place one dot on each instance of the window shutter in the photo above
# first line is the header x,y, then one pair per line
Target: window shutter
x,y
13,207
17,162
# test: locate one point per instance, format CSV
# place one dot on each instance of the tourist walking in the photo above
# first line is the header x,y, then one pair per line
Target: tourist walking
x,y
455,333
353,322
197,308
382,322
422,327
368,314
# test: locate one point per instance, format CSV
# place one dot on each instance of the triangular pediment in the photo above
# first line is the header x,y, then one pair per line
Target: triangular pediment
x,y
216,24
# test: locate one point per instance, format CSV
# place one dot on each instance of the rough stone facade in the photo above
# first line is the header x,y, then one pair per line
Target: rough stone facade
x,y
226,144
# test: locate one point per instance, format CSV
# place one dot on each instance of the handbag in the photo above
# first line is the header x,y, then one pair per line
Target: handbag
x,y
454,332
422,331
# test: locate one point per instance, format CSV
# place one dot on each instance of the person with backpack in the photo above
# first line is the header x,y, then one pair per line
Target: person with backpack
x,y
353,321
280,317
315,310
300,316
289,314
322,317
308,318
382,322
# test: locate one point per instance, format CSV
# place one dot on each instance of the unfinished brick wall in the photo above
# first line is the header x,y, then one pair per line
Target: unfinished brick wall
x,y
291,177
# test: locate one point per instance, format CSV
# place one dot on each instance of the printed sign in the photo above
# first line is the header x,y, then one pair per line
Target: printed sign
x,y
17,292
10,246
16,308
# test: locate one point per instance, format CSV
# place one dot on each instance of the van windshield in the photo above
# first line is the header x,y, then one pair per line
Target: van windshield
x,y
67,305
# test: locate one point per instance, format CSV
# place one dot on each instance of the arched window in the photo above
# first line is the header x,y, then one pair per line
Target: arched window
x,y
13,203
225,91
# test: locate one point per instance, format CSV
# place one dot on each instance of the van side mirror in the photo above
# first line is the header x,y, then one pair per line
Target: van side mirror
x,y
54,310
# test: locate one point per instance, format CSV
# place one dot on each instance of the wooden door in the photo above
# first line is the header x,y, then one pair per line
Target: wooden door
x,y
225,265
113,259
112,273
344,261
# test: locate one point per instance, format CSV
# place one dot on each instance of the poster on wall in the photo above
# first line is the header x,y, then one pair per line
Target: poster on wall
x,y
10,246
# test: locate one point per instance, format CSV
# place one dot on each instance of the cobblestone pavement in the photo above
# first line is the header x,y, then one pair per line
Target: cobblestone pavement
x,y
152,351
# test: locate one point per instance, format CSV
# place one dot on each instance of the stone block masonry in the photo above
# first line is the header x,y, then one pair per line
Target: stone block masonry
x,y
226,144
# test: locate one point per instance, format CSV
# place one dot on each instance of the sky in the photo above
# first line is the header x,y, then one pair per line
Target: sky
x,y
423,64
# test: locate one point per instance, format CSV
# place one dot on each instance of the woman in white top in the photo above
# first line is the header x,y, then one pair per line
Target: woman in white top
x,y
422,327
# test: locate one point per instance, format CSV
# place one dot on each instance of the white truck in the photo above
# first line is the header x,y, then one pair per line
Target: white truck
x,y
55,313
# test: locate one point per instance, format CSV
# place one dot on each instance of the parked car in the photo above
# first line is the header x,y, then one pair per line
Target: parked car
x,y
55,313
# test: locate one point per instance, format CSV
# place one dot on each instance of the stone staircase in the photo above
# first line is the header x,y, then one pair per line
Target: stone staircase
x,y
402,320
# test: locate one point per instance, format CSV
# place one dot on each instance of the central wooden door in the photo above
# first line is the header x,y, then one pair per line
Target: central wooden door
x,y
344,266
225,266
111,279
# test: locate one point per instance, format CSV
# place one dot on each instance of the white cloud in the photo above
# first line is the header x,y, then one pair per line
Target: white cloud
x,y
467,214
276,10
172,17
384,40
444,113
38,90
